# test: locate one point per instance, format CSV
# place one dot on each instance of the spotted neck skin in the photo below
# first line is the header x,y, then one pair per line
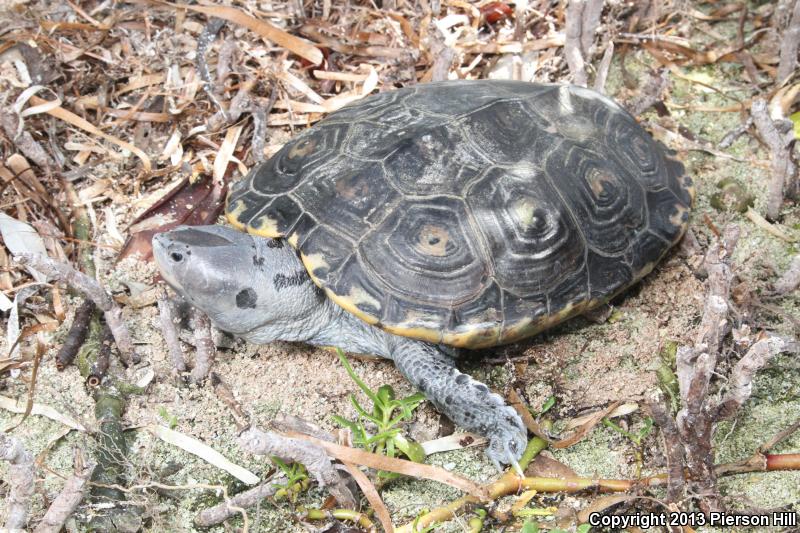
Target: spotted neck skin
x,y
258,289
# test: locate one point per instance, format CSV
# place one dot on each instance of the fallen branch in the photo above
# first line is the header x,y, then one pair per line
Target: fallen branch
x,y
169,331
100,366
602,70
674,450
780,142
204,347
92,290
790,41
21,477
582,19
696,365
312,456
741,380
69,498
233,506
225,394
76,335
790,279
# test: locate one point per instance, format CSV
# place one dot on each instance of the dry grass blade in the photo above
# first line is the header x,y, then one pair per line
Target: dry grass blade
x,y
299,46
400,466
372,495
38,409
203,451
581,432
71,118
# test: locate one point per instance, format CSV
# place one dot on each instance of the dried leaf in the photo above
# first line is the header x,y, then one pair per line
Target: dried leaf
x,y
456,441
584,429
299,46
38,409
372,495
544,466
187,203
204,452
71,118
400,466
602,503
22,238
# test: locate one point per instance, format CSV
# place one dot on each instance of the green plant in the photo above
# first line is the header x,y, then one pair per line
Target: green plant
x,y
533,527
386,415
171,420
635,438
296,480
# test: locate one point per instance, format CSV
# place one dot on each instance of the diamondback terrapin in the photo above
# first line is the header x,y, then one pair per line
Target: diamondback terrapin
x,y
456,214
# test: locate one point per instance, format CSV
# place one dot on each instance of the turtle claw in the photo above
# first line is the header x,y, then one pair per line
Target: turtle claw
x,y
512,460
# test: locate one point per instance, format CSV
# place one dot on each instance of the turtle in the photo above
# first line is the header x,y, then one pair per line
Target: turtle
x,y
424,222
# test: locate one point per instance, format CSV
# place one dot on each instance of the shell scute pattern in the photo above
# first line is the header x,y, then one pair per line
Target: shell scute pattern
x,y
471,213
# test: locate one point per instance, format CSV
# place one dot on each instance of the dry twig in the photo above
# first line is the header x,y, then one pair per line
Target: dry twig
x,y
790,42
582,19
790,279
21,476
69,498
695,366
314,458
92,290
76,335
235,505
169,331
204,347
779,136
741,380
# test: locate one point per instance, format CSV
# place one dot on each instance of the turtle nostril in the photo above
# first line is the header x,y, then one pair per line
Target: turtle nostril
x,y
176,257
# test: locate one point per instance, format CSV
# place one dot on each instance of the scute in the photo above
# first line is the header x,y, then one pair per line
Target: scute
x,y
471,213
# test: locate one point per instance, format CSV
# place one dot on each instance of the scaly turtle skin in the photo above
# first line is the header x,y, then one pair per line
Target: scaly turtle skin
x,y
465,213
471,213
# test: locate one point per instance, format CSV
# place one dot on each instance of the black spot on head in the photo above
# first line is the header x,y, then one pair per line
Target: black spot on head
x,y
246,298
258,261
298,278
275,243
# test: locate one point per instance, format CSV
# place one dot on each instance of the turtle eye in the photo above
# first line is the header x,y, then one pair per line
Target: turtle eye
x,y
176,257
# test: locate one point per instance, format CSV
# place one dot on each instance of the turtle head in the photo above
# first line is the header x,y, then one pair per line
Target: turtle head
x,y
245,284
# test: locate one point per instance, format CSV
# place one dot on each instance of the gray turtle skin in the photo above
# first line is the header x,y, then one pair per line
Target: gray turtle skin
x,y
258,289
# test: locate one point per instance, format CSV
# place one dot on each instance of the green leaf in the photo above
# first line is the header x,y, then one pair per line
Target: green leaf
x,y
350,372
412,450
386,394
583,528
795,118
551,401
530,527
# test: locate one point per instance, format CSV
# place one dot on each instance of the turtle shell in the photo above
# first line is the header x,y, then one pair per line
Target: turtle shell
x,y
471,213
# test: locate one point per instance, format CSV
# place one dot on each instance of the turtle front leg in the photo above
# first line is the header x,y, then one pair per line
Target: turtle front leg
x,y
468,402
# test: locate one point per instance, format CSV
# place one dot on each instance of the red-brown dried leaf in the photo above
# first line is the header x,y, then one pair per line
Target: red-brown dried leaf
x,y
495,12
188,203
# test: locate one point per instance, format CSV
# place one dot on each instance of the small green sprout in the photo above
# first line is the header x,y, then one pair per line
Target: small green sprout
x,y
296,480
533,527
635,438
387,413
547,405
171,420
